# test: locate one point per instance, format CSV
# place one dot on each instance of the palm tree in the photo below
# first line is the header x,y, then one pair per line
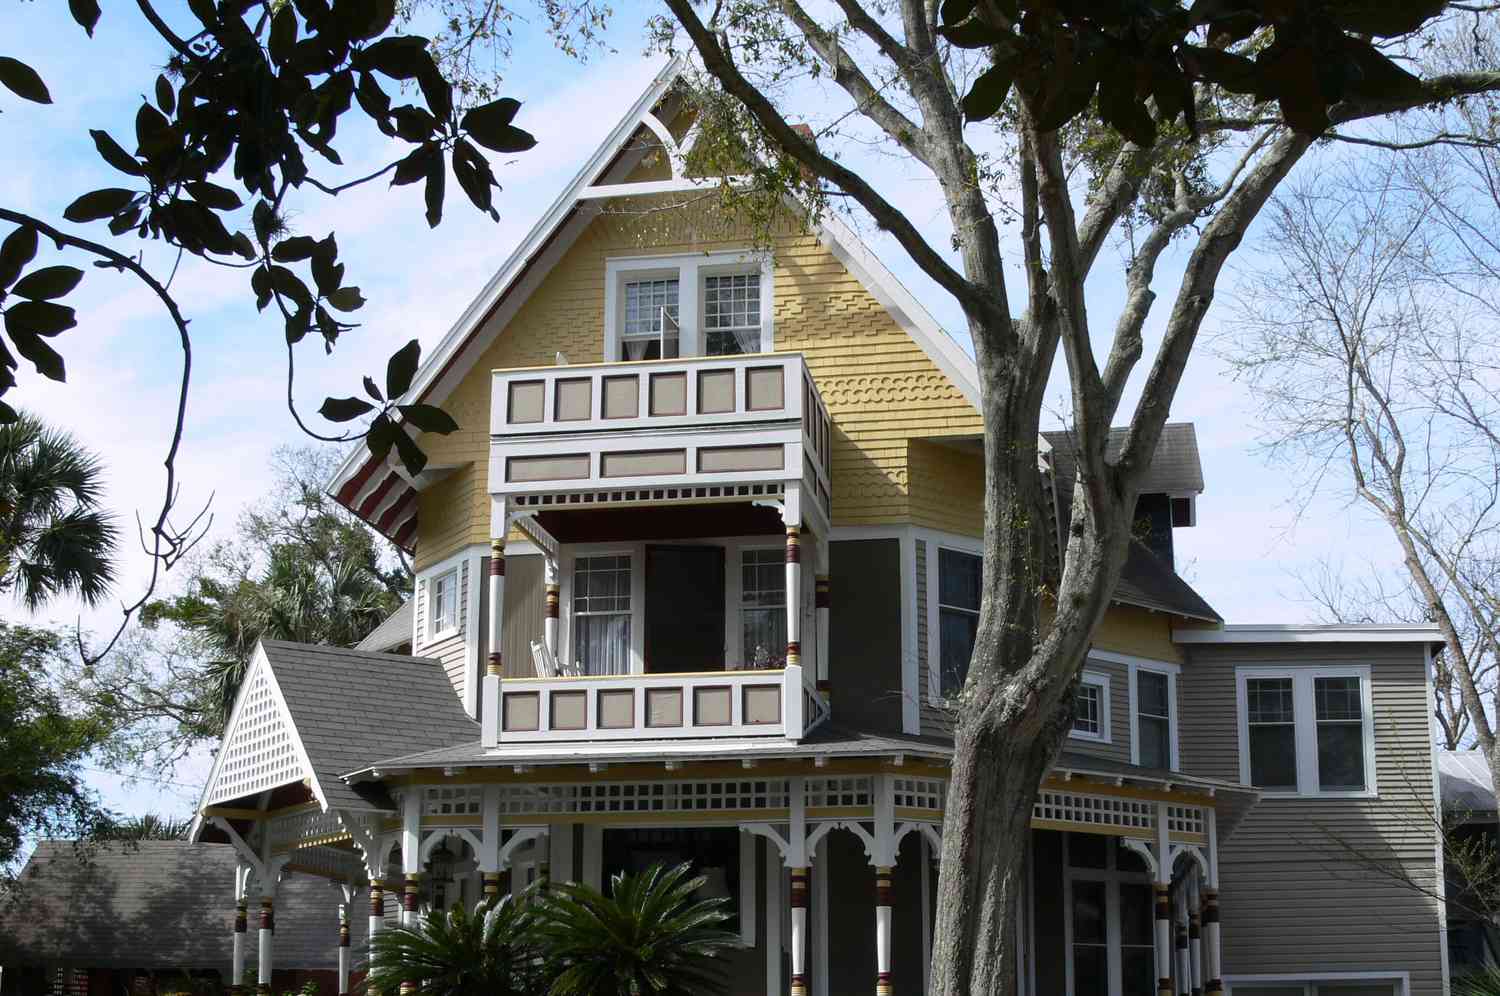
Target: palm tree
x,y
483,952
649,937
1485,982
148,826
54,540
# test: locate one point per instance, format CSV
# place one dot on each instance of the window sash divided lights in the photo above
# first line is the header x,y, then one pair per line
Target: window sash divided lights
x,y
731,314
1091,720
602,613
651,319
1109,919
763,607
1153,719
960,582
1308,732
442,603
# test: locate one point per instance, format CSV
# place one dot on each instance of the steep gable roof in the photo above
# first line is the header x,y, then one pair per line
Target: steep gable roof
x,y
381,492
311,713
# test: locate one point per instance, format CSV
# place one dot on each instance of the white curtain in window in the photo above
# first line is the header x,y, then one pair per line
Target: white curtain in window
x,y
603,644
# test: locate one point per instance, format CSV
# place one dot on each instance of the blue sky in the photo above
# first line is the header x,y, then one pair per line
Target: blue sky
x,y
123,362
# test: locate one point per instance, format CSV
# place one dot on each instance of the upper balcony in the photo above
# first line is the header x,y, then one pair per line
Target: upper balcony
x,y
697,429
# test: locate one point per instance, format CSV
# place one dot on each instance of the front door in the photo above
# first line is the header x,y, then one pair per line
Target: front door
x,y
684,609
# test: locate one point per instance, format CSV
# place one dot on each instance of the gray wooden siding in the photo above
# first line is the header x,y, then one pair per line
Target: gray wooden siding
x,y
936,720
452,651
1118,748
1311,885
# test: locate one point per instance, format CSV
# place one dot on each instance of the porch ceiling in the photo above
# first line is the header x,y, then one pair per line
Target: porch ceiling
x,y
661,522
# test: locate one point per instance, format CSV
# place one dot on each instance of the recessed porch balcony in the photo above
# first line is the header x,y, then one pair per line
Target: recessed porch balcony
x,y
712,428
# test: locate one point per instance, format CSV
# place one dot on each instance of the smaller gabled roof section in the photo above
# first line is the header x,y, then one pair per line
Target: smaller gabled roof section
x,y
394,632
1176,468
310,713
1148,582
349,706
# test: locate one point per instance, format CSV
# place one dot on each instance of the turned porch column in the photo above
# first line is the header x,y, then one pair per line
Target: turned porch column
x,y
1195,932
241,926
344,947
793,594
798,904
1161,889
1213,953
377,906
494,663
883,909
553,607
266,934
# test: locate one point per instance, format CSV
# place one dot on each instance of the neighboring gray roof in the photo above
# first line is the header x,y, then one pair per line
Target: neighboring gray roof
x,y
350,706
1149,582
1464,778
826,740
156,905
1175,467
394,632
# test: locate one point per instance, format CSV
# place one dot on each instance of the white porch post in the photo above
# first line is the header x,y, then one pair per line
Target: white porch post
x,y
411,853
1212,951
349,891
797,858
1162,890
553,606
883,857
266,934
377,906
241,926
793,592
1184,960
490,693
1195,930
489,843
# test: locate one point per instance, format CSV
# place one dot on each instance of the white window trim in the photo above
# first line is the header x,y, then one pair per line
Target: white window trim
x,y
1112,877
1099,680
1133,666
936,542
690,269
1402,980
566,637
450,575
1304,706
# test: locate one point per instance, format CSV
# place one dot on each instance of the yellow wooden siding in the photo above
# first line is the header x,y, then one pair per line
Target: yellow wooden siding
x,y
1137,632
947,488
880,387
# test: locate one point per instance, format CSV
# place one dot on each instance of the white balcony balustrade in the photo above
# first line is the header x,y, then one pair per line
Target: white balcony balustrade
x,y
705,428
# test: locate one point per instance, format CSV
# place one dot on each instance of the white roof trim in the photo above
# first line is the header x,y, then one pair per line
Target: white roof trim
x,y
1311,633
453,341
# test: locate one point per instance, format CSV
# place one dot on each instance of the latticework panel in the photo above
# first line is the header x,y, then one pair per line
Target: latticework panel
x,y
458,801
1185,820
1101,811
333,862
919,793
643,797
307,826
646,496
260,752
846,790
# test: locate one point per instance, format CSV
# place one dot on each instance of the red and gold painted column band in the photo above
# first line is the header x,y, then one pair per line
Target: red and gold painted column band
x,y
377,897
409,894
822,602
1163,916
491,885
884,893
793,558
267,916
798,903
497,575
554,599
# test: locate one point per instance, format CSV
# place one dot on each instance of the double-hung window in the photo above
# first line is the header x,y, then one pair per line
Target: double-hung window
x,y
601,613
442,604
650,328
1153,719
1091,710
1111,950
731,314
960,578
1307,731
763,607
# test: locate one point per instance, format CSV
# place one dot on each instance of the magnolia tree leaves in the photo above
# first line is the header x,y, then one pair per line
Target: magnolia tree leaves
x,y
1124,56
247,113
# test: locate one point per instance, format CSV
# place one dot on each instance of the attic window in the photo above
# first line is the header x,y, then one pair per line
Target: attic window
x,y
702,304
650,330
1184,513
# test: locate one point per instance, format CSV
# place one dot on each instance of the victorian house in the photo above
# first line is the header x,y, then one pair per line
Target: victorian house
x,y
697,580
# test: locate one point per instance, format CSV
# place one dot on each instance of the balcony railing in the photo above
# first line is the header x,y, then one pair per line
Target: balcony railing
x,y
708,427
699,705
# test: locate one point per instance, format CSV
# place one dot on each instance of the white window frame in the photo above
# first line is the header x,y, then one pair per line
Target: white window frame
x,y
1246,985
568,617
732,270
448,577
936,544
689,270
1099,680
1133,666
1112,878
1304,705
734,595
648,276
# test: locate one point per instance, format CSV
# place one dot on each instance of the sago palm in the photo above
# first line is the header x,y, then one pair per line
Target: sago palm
x,y
54,540
1485,982
649,937
485,951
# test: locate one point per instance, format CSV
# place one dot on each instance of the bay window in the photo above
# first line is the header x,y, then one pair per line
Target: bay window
x,y
1307,731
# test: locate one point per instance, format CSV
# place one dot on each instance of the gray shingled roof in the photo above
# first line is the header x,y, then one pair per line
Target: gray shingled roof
x,y
1149,582
350,706
156,905
826,740
1175,468
394,632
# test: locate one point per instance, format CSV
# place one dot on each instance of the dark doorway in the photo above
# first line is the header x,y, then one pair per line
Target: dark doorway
x,y
684,609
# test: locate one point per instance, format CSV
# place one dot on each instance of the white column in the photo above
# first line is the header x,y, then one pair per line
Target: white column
x,y
266,934
773,922
793,593
377,906
494,665
1184,959
1163,903
553,608
489,844
1213,953
411,852
241,925
798,904
1195,931
344,946
883,904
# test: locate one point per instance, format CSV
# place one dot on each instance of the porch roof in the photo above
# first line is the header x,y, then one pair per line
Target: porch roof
x,y
824,741
1231,799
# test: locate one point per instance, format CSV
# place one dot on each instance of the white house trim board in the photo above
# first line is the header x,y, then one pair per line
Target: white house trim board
x,y
1356,633
1401,979
1105,735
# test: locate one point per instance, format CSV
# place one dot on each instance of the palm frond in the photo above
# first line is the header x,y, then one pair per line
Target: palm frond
x,y
486,951
1485,982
